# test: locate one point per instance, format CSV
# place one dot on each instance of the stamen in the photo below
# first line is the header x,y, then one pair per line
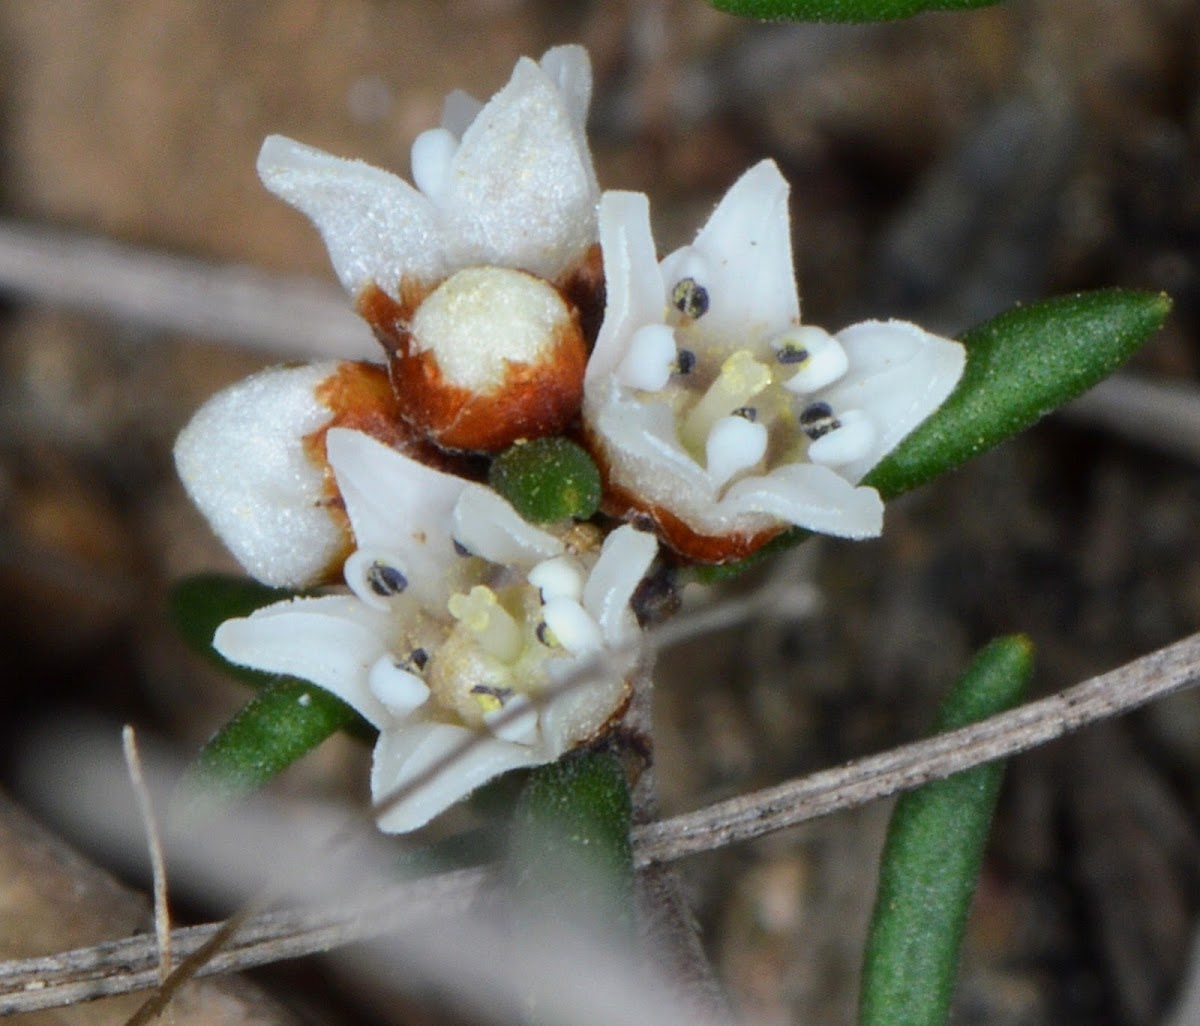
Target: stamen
x,y
742,377
398,690
819,357
431,154
491,699
386,580
417,659
734,444
690,298
817,420
650,359
558,576
521,728
749,413
494,628
572,626
685,363
460,549
850,440
376,577
545,635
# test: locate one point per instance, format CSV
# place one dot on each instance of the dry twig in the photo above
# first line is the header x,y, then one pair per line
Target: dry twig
x,y
123,966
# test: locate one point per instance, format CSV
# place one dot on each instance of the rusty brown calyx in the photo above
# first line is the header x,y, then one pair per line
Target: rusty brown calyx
x,y
531,399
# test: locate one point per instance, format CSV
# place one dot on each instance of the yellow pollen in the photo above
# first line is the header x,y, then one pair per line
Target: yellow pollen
x,y
741,378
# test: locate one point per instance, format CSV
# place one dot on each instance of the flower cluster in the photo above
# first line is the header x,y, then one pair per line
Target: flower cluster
x,y
513,301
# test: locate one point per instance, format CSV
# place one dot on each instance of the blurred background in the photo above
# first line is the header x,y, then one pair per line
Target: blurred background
x,y
942,169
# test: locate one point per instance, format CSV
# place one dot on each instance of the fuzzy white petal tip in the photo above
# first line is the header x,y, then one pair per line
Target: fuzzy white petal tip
x,y
242,460
376,227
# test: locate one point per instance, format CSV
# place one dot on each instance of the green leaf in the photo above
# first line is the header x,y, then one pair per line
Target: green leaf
x,y
199,605
932,856
286,719
570,858
840,10
547,479
1021,366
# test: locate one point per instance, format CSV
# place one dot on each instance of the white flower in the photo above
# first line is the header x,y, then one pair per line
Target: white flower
x,y
713,411
252,459
457,610
472,279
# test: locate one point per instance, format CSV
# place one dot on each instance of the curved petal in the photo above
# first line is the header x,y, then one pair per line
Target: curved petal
x,y
376,226
243,462
521,190
332,641
634,289
624,560
809,496
402,755
576,715
570,68
899,374
643,450
398,504
488,526
747,247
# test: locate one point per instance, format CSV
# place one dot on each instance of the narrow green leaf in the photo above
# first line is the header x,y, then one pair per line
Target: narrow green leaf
x,y
1022,365
570,858
286,719
932,856
840,10
198,605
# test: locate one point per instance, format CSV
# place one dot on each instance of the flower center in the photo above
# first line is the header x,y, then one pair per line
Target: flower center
x,y
482,319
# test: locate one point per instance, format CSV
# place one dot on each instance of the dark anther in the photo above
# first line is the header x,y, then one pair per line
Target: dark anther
x,y
501,695
543,635
643,522
686,361
460,548
817,420
417,658
385,580
690,298
747,413
791,354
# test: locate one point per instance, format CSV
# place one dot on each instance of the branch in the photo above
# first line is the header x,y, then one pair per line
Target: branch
x,y
119,967
295,316
1153,676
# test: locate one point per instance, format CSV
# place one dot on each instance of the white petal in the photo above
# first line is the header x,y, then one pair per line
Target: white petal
x,y
634,289
332,641
570,68
747,243
625,559
243,463
403,755
487,526
809,496
575,715
376,226
399,505
899,374
521,191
